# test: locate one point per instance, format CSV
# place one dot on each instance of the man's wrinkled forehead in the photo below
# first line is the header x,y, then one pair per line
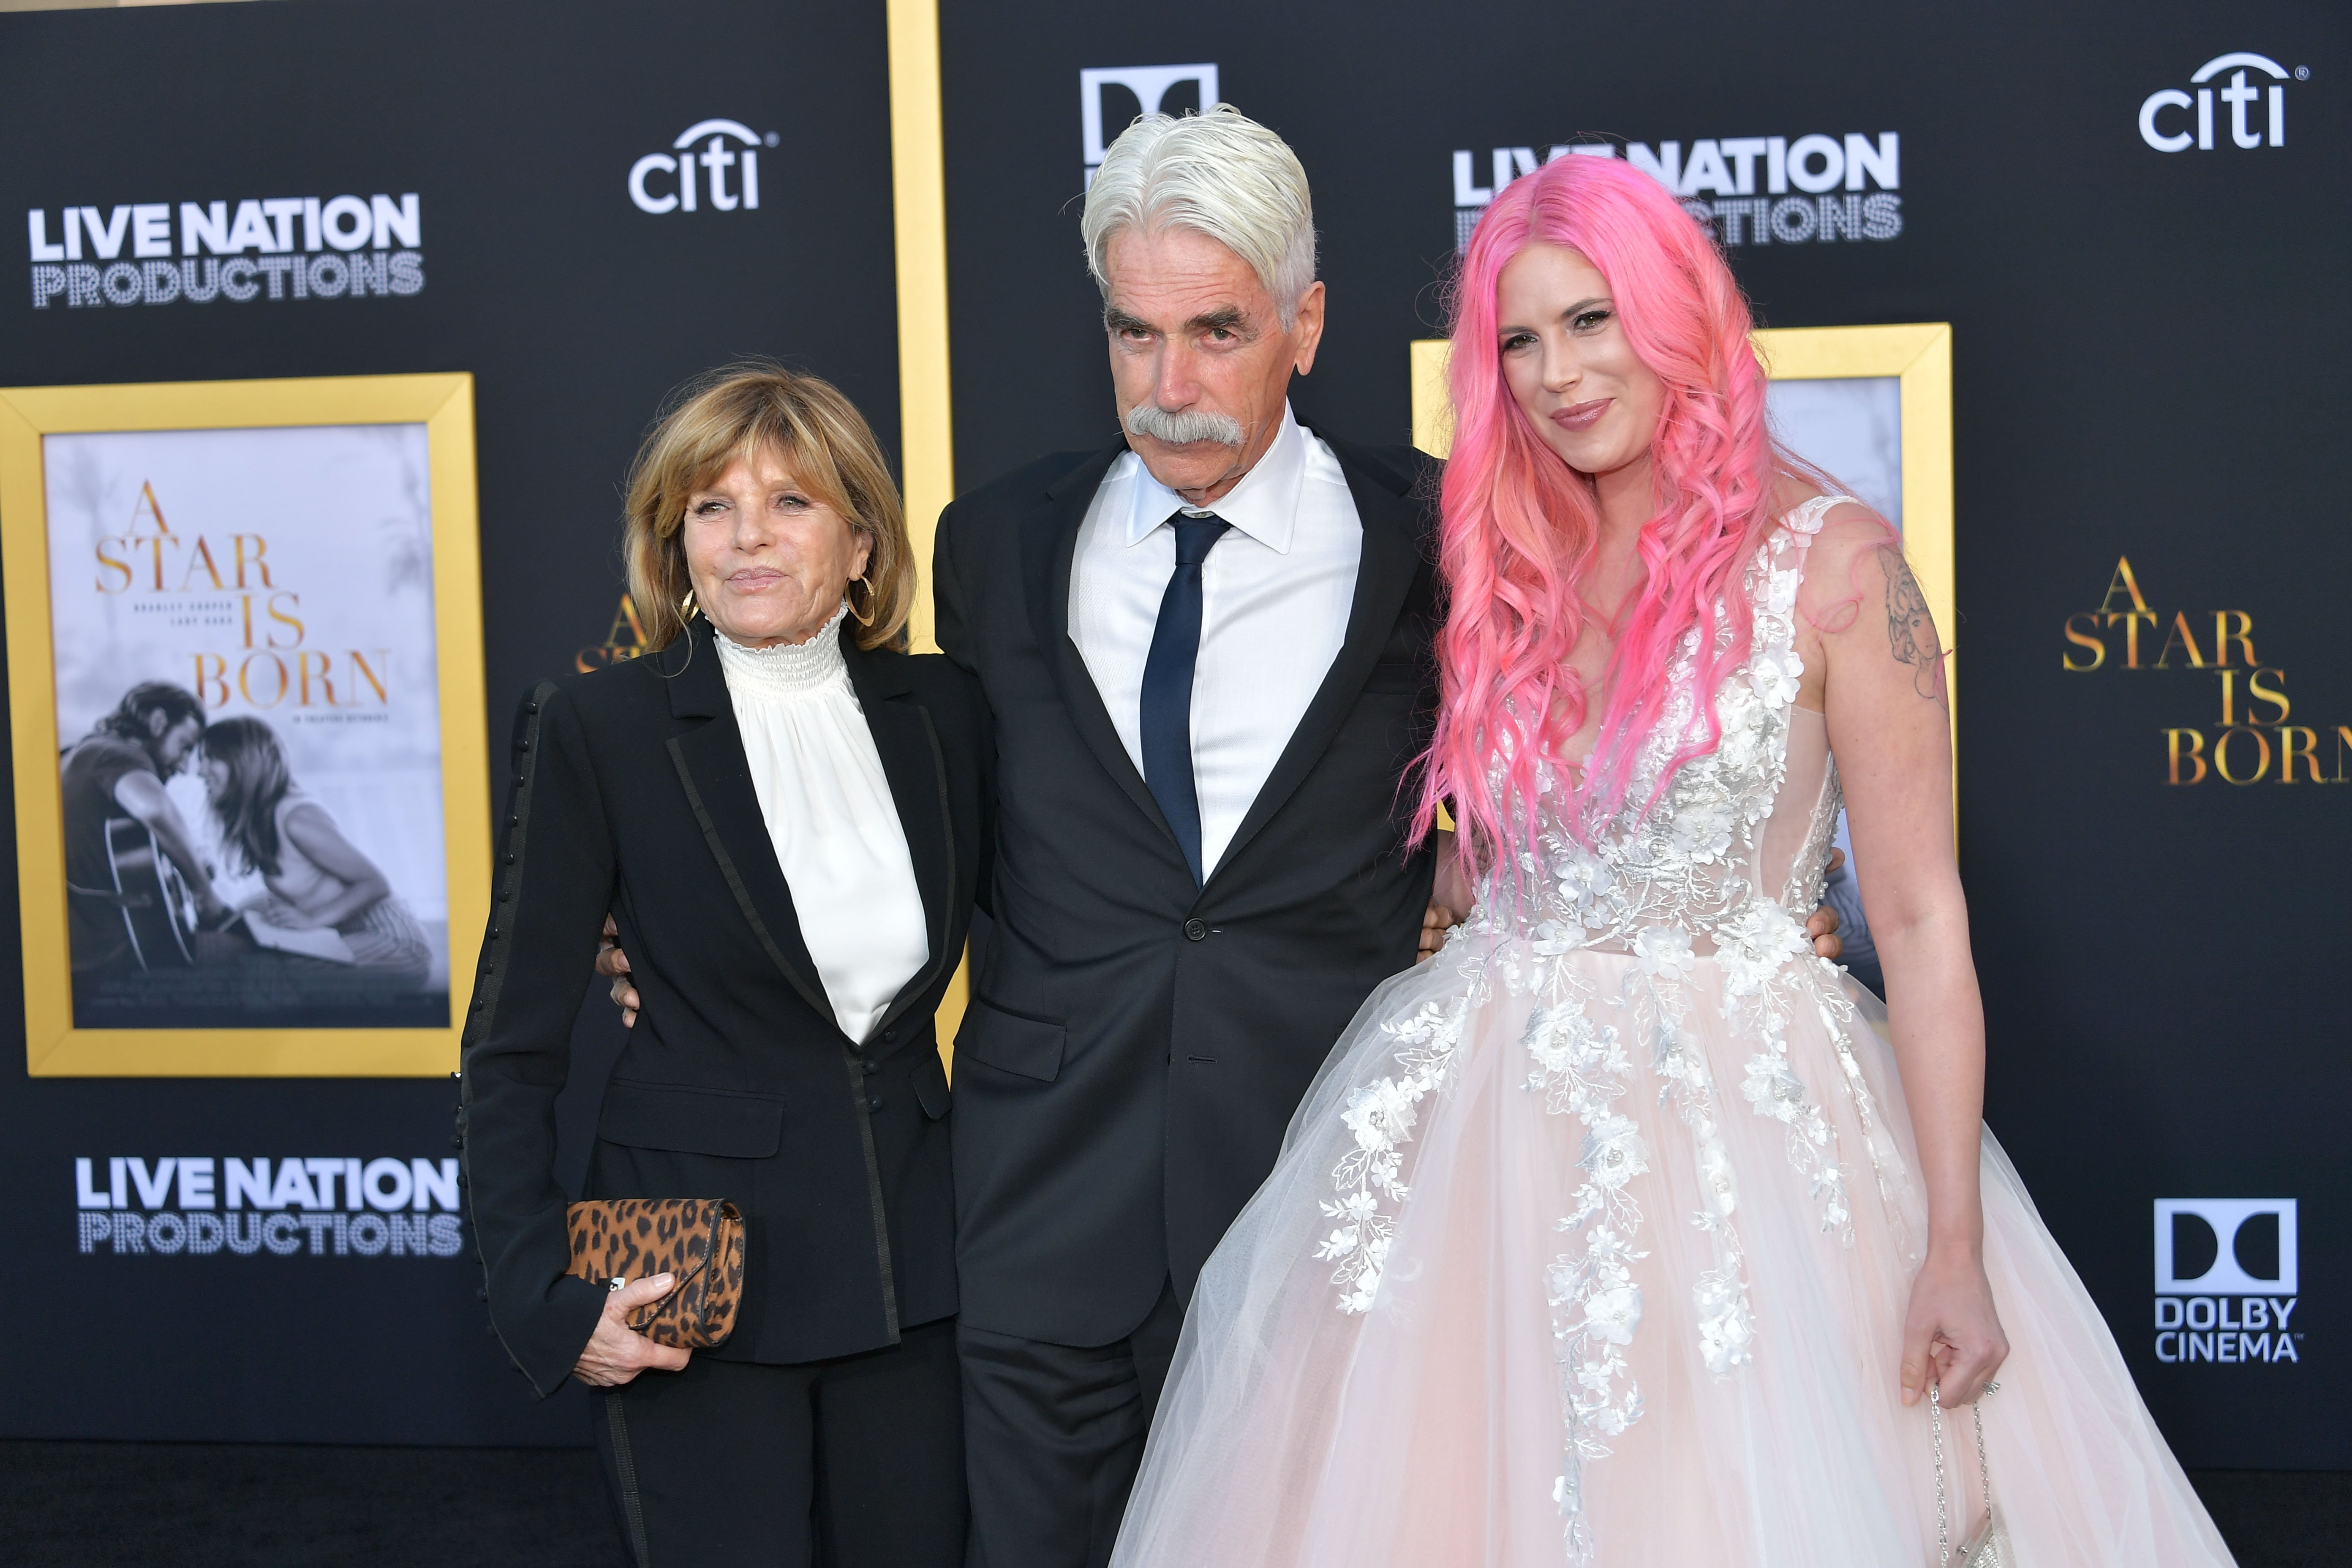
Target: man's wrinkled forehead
x,y
1179,274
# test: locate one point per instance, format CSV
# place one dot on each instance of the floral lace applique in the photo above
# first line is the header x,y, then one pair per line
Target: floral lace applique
x,y
1660,1001
1755,951
1838,1017
1581,1069
1381,1115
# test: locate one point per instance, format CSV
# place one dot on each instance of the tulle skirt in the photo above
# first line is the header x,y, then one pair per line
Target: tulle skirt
x,y
1613,1269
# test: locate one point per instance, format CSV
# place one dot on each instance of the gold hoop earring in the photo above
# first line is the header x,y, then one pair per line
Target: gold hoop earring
x,y
867,618
686,609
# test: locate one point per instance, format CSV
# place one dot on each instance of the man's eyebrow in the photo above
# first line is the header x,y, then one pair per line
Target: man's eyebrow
x,y
1224,318
1118,320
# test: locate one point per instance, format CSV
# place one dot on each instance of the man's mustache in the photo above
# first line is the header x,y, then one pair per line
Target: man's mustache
x,y
1149,419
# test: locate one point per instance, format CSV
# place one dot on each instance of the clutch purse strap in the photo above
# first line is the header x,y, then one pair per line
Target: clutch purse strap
x,y
1984,1475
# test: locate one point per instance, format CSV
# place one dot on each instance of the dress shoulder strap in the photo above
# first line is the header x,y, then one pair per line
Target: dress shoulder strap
x,y
1806,516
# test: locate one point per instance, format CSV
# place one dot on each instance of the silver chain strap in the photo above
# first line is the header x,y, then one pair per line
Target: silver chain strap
x,y
1984,1467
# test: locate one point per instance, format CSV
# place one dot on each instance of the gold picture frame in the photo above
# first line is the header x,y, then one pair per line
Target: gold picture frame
x,y
1918,355
444,406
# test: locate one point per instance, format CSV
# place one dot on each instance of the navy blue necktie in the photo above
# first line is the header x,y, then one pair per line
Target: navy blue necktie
x,y
1167,703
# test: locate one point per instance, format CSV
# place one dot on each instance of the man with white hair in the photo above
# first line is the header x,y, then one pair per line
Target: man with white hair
x,y
1209,651
1208,648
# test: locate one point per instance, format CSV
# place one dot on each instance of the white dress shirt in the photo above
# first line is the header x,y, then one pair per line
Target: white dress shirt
x,y
1275,595
830,815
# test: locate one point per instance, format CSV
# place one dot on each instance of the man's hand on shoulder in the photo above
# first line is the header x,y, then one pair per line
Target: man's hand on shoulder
x,y
612,962
1823,925
1437,922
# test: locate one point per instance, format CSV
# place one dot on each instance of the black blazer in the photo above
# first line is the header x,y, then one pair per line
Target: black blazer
x,y
1135,1045
630,791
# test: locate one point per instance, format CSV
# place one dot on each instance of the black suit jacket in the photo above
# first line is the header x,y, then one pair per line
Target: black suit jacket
x,y
630,791
1135,1045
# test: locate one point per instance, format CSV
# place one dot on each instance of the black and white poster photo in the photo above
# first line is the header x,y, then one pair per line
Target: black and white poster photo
x,y
1851,427
250,724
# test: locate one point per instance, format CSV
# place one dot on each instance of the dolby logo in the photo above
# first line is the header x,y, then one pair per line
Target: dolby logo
x,y
1112,98
2226,1281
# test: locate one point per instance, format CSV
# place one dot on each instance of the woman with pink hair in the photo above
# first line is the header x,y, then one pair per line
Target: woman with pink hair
x,y
1626,1231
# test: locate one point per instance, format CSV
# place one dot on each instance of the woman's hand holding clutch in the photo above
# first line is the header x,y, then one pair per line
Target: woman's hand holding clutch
x,y
616,1352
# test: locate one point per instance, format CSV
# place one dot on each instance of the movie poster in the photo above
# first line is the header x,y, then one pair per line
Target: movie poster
x,y
1851,427
249,722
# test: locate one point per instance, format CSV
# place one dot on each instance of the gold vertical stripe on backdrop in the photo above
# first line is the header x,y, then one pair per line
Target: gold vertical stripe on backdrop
x,y
918,203
926,413
1919,355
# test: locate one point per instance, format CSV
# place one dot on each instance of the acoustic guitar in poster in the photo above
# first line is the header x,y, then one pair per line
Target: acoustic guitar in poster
x,y
158,909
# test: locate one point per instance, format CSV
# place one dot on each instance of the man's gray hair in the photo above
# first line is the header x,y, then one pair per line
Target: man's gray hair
x,y
1219,173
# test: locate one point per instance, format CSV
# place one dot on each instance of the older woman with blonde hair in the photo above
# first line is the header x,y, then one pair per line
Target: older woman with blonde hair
x,y
787,817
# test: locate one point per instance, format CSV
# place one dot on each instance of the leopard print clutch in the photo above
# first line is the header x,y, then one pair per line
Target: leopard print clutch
x,y
698,1241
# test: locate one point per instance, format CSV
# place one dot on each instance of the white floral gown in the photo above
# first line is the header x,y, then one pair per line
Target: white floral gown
x,y
1592,1241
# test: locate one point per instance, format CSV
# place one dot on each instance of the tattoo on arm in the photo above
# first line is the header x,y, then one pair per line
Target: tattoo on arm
x,y
1910,629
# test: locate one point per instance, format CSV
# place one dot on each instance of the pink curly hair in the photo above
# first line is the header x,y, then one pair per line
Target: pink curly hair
x,y
1518,526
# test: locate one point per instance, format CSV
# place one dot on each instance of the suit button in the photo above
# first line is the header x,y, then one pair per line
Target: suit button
x,y
868,1066
873,1102
1194,931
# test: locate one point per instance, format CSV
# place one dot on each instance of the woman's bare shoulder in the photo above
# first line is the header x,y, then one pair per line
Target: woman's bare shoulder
x,y
1850,530
1838,574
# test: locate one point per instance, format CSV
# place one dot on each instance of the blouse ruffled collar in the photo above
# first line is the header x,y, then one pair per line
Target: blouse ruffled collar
x,y
787,669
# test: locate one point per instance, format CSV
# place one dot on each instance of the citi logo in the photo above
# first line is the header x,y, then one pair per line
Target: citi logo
x,y
2164,125
2226,1280
730,180
1114,96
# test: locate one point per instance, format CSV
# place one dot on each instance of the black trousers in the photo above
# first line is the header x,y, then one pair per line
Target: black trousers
x,y
1054,1436
854,1463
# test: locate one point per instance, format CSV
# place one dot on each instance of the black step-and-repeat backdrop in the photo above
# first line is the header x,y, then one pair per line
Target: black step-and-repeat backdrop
x,y
2135,217
580,204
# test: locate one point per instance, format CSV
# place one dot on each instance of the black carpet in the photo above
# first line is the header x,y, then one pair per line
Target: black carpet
x,y
202,1505
195,1505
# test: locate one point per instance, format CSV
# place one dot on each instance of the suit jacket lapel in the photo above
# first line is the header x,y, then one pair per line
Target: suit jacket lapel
x,y
1384,576
712,766
909,746
1048,549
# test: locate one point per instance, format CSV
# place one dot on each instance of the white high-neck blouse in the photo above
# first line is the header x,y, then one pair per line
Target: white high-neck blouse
x,y
830,815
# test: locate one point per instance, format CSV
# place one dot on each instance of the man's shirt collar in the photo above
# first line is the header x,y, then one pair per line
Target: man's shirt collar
x,y
1264,505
